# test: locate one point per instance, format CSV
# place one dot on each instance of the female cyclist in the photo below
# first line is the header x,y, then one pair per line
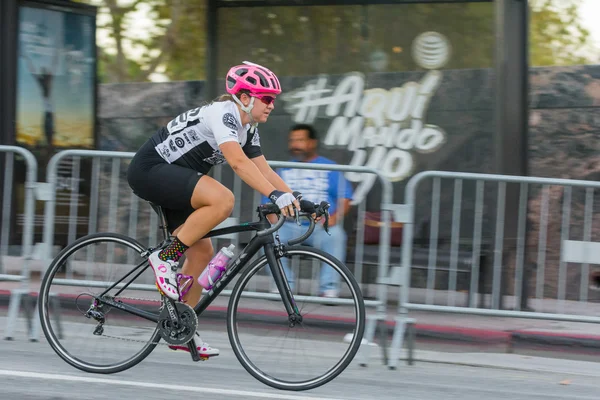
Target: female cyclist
x,y
170,170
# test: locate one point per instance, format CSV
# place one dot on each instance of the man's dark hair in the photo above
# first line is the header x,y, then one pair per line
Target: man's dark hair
x,y
312,132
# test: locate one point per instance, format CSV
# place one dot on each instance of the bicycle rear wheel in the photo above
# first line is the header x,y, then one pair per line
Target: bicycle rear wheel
x,y
80,274
308,354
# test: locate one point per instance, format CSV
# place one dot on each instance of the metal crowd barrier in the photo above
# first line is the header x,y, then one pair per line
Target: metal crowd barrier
x,y
471,214
548,255
16,268
114,208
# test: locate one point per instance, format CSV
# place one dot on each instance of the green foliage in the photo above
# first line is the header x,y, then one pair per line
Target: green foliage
x,y
556,34
332,39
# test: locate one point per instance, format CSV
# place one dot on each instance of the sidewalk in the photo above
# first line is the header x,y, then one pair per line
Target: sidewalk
x,y
569,368
429,325
508,331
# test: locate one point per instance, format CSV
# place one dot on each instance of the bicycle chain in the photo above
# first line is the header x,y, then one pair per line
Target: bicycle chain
x,y
162,343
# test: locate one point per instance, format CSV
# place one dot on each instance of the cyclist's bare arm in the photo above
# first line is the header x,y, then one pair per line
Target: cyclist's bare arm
x,y
271,176
245,168
250,173
267,172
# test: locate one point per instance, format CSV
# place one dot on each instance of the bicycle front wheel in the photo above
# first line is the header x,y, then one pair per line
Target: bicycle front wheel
x,y
306,355
71,308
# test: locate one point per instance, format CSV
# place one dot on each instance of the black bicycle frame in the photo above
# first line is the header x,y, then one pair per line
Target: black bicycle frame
x,y
267,242
237,263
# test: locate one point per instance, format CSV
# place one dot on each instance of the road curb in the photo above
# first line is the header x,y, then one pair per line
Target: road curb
x,y
430,331
556,339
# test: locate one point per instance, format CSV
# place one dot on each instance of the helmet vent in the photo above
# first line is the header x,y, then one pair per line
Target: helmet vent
x,y
230,82
263,79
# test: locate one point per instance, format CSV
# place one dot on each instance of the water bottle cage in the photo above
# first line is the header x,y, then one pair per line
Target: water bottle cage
x,y
184,283
209,273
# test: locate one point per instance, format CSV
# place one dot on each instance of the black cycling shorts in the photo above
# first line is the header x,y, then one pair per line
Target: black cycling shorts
x,y
167,185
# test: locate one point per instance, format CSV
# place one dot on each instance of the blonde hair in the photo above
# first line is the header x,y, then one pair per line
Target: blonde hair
x,y
223,97
229,97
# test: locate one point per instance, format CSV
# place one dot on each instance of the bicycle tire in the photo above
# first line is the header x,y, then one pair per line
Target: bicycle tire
x,y
44,304
339,367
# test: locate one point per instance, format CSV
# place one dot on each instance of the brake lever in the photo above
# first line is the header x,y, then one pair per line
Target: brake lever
x,y
323,209
326,223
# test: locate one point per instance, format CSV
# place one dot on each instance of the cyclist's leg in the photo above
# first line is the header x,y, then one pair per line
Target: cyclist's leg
x,y
212,203
170,186
189,198
336,246
203,201
212,197
196,260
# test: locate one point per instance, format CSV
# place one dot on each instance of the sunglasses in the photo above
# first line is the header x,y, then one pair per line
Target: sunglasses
x,y
265,98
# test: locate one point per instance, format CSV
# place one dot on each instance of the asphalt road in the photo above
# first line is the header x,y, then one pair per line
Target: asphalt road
x,y
33,371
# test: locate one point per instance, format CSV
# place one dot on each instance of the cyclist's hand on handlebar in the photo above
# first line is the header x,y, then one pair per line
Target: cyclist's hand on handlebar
x,y
298,197
318,211
285,201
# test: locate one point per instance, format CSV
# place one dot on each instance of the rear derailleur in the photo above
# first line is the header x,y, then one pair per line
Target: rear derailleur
x,y
97,312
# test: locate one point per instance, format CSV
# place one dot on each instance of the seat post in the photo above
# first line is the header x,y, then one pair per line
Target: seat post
x,y
162,220
163,224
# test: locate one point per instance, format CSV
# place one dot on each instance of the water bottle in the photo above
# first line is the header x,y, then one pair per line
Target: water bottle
x,y
215,268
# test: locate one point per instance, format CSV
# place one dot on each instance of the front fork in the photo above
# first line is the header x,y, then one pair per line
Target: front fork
x,y
273,253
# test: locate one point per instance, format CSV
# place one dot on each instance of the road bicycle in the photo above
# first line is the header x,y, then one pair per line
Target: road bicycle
x,y
100,288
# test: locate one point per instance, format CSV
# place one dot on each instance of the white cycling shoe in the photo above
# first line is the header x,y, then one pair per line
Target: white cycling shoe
x,y
166,276
204,350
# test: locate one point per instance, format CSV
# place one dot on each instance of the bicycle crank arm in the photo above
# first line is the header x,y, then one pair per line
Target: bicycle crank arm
x,y
172,310
193,350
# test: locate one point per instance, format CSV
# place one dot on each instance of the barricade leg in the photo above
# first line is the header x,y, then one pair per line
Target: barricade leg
x,y
403,325
34,334
363,354
29,310
28,222
383,334
55,307
410,343
13,312
373,323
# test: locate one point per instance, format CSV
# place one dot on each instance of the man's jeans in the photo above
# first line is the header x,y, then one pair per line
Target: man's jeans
x,y
334,245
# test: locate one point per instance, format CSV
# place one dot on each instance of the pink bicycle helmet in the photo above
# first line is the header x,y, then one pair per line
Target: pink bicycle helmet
x,y
252,77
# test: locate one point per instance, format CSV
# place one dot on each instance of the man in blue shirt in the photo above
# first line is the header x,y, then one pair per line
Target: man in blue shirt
x,y
317,186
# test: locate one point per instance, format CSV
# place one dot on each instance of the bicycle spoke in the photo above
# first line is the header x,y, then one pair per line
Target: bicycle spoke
x,y
79,317
311,352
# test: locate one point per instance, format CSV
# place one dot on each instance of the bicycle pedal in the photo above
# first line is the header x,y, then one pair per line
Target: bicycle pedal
x,y
204,358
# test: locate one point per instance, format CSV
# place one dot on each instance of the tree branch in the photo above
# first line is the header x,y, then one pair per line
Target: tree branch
x,y
116,17
167,40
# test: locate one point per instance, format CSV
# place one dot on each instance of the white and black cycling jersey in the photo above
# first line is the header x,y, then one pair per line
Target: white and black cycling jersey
x,y
192,139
